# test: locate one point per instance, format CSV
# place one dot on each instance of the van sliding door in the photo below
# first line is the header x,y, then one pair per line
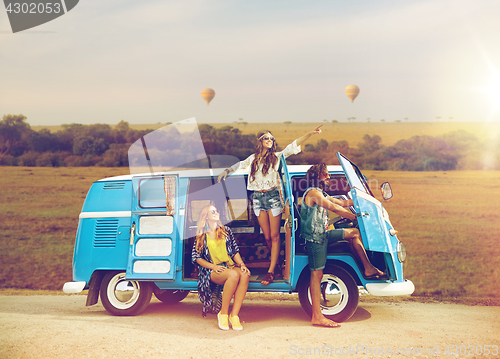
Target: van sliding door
x,y
154,233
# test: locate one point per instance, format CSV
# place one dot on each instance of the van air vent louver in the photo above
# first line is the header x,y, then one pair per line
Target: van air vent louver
x,y
105,233
114,185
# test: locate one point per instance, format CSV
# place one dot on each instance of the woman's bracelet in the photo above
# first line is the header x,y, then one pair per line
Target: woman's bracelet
x,y
242,264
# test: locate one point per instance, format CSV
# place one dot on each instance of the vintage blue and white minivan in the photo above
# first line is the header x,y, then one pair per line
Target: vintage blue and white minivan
x,y
136,232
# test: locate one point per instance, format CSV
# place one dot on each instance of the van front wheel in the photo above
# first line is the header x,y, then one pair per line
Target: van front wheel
x,y
339,294
120,296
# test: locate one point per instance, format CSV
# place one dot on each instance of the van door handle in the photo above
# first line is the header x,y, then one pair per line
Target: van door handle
x,y
132,234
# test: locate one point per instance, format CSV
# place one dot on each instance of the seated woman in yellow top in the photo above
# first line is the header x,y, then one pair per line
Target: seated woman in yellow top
x,y
217,254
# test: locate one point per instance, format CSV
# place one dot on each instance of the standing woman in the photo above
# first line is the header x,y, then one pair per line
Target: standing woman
x,y
217,254
265,182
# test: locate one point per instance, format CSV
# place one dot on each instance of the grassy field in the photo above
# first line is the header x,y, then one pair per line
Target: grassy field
x,y
390,132
449,223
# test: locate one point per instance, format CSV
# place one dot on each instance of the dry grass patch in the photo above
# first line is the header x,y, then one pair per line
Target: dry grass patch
x,y
449,223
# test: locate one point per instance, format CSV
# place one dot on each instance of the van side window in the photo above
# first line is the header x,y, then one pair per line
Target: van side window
x,y
152,193
230,198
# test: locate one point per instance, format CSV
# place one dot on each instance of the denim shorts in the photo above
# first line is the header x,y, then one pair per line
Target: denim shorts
x,y
317,251
267,201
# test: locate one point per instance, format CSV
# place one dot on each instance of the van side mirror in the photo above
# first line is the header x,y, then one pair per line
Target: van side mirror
x,y
386,190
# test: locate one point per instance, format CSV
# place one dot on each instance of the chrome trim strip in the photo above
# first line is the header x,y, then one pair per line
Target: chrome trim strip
x,y
111,214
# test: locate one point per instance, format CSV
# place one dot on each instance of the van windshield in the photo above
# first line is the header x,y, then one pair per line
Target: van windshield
x,y
354,175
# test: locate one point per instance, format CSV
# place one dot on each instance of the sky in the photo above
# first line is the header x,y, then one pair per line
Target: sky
x,y
268,61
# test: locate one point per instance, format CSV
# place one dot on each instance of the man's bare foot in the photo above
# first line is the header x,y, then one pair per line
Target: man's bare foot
x,y
374,272
327,323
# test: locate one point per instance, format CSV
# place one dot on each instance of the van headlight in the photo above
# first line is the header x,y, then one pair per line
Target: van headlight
x,y
401,252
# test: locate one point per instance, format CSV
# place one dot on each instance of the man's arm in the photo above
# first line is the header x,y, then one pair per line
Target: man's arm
x,y
316,197
343,203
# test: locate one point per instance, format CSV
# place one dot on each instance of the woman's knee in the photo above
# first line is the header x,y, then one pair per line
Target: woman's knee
x,y
275,238
244,279
233,275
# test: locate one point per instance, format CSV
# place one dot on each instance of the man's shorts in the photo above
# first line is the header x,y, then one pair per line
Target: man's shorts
x,y
317,251
267,201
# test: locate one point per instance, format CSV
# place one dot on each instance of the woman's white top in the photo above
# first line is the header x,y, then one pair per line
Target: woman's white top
x,y
271,180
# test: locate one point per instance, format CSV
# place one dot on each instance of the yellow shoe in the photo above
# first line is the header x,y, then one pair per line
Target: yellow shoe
x,y
223,323
235,323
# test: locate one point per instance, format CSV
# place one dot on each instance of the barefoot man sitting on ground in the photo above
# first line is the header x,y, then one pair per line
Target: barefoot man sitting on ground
x,y
314,229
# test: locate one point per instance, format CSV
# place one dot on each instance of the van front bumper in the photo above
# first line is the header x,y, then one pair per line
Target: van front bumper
x,y
73,287
390,289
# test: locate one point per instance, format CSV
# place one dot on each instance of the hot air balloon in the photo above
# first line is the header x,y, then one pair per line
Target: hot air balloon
x,y
207,94
352,92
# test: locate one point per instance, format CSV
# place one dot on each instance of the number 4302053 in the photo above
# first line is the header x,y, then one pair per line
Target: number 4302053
x,y
34,8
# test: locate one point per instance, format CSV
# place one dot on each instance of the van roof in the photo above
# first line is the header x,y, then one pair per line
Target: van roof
x,y
213,172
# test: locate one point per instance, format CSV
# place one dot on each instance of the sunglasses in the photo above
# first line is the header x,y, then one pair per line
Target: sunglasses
x,y
214,211
265,138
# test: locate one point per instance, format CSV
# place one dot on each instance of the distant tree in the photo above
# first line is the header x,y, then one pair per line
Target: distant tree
x,y
119,132
66,137
287,123
242,122
438,118
122,133
421,153
44,141
370,144
89,146
382,120
226,141
93,140
115,156
15,135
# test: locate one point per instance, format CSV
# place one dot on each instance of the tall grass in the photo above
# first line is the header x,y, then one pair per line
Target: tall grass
x,y
449,223
39,210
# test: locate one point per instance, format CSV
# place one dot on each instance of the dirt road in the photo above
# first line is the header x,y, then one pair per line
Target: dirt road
x,y
45,326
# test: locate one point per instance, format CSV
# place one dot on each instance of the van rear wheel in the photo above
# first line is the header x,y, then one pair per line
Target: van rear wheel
x,y
121,296
339,294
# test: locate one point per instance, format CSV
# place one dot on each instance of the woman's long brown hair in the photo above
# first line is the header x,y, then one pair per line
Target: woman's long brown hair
x,y
264,156
202,226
